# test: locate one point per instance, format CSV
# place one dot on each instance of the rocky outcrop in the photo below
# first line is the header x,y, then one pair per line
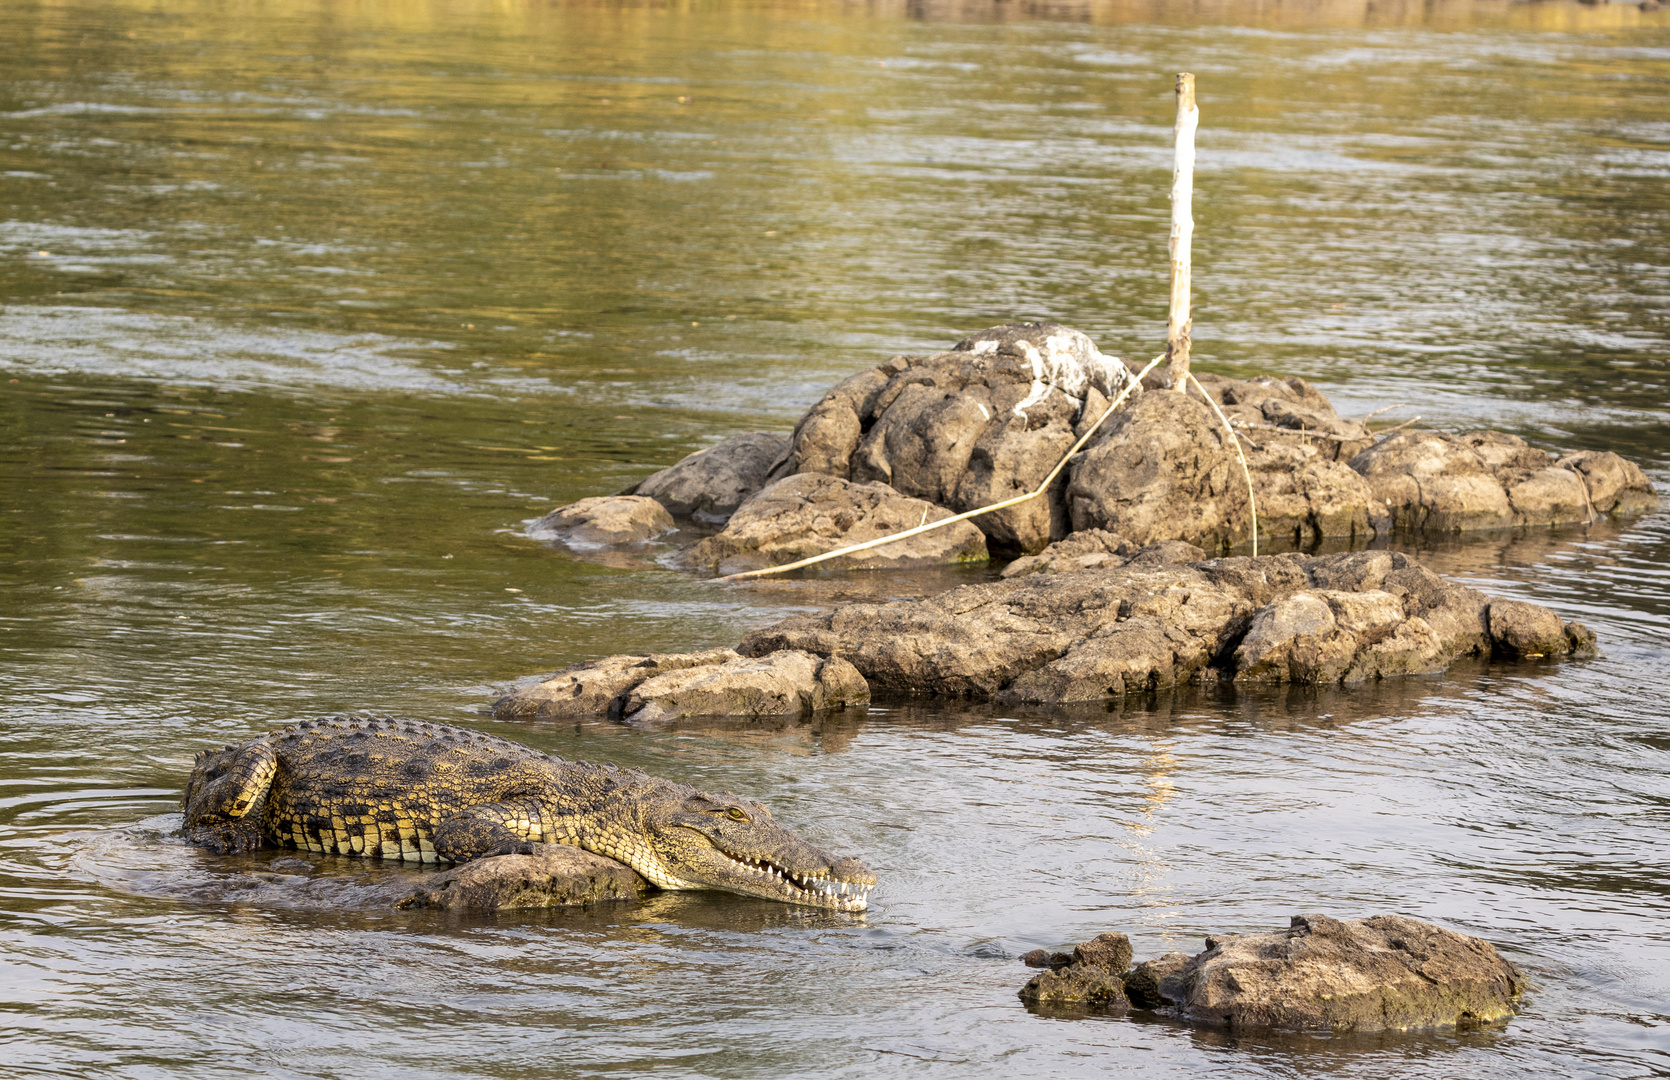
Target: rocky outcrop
x,y
990,418
1384,973
666,687
554,876
966,428
979,423
1103,633
604,521
1090,978
710,484
810,514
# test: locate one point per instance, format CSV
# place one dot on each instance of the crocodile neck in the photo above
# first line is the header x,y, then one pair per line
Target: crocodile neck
x,y
600,808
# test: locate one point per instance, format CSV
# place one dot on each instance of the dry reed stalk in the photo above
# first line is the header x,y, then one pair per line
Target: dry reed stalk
x,y
965,515
1583,485
1234,441
1400,427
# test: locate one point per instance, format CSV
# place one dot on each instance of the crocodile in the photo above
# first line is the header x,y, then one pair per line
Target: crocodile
x,y
404,789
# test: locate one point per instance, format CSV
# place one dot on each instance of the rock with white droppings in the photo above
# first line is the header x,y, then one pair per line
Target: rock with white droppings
x,y
976,424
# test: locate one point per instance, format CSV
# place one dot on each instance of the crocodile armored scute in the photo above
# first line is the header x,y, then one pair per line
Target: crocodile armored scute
x,y
393,788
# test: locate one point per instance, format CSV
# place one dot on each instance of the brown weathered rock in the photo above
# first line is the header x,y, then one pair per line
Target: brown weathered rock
x,y
1519,630
710,484
809,514
1111,951
665,687
1088,978
1152,983
1161,469
1288,412
1304,495
786,683
605,520
1100,633
594,687
1384,973
1615,486
554,876
974,425
1434,482
1082,550
1083,986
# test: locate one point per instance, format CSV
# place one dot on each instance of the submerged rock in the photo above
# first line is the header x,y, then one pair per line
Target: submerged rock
x,y
1384,973
1090,978
710,484
605,520
810,514
666,687
1103,633
1081,986
554,876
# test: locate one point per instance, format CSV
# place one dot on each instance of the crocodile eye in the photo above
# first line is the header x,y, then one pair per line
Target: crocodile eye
x,y
737,814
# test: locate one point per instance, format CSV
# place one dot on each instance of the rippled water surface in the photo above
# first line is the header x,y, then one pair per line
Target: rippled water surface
x,y
308,307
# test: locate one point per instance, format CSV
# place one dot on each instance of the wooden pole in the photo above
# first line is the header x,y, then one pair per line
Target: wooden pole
x,y
1178,323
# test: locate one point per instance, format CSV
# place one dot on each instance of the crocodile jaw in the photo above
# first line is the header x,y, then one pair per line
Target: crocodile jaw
x,y
813,888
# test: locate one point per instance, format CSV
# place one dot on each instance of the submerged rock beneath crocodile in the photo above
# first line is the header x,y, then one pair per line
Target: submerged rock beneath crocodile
x,y
1383,973
553,875
1144,623
989,418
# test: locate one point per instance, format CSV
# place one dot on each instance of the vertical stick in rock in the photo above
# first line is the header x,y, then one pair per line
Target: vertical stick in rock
x,y
1182,232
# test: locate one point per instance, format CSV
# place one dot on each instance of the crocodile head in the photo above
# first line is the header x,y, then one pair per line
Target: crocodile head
x,y
703,841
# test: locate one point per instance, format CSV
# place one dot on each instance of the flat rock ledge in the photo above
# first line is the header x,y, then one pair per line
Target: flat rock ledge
x,y
604,521
659,689
1383,973
1100,633
554,876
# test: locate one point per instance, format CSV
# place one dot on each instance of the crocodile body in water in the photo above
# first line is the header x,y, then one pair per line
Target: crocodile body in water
x,y
403,789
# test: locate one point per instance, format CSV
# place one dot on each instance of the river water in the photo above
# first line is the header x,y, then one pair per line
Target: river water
x,y
307,308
